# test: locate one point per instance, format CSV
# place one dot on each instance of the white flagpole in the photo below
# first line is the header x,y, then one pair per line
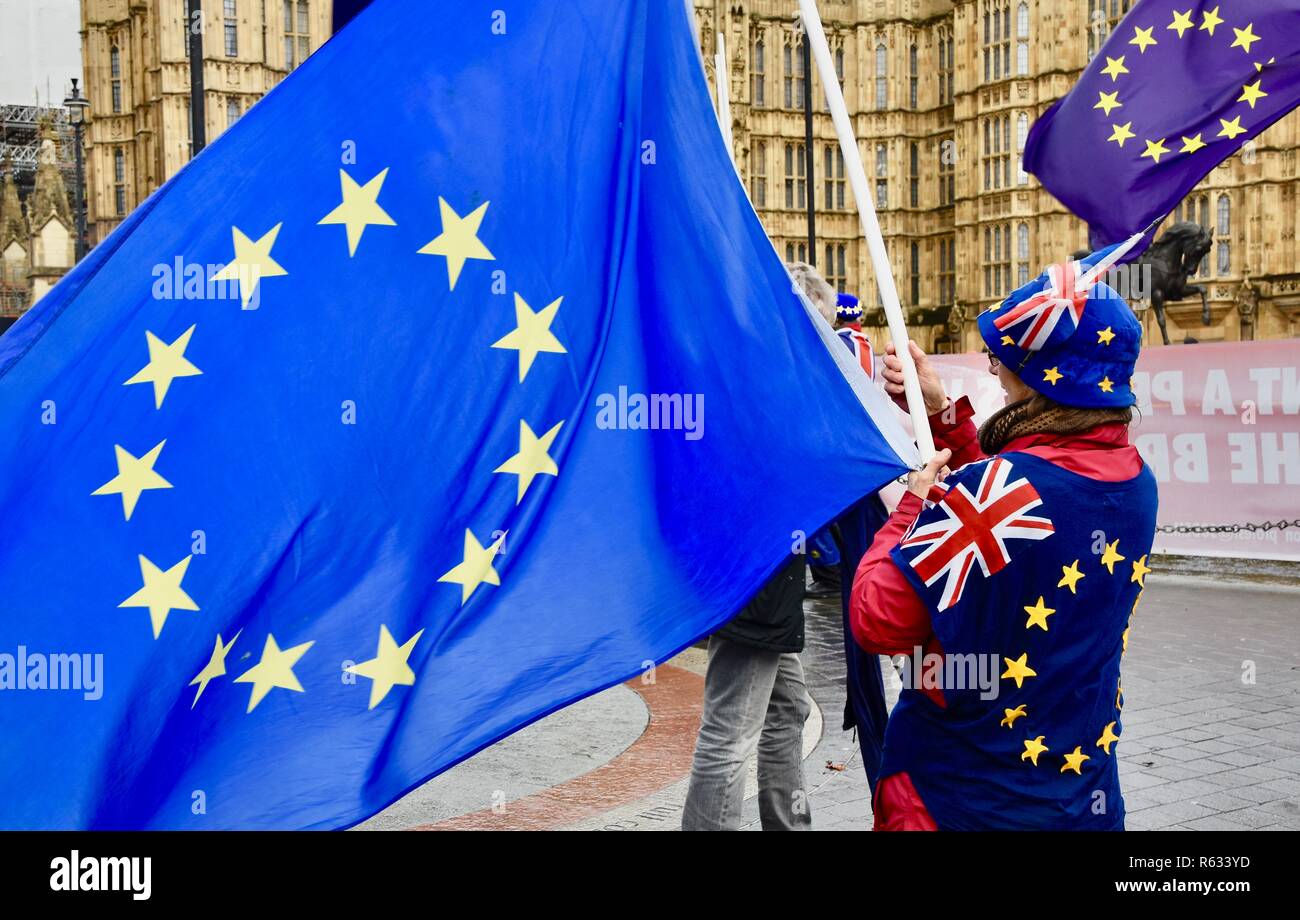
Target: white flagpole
x,y
812,24
723,80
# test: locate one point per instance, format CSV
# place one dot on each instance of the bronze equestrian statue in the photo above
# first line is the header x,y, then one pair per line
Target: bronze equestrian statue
x,y
1170,261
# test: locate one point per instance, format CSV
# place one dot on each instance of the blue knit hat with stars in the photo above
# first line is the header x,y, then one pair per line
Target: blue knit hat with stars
x,y
1069,336
846,307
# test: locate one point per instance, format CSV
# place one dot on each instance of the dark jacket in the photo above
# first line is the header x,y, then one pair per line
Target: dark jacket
x,y
773,620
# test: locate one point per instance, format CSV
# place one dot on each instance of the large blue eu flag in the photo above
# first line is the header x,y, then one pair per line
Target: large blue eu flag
x,y
1177,88
453,383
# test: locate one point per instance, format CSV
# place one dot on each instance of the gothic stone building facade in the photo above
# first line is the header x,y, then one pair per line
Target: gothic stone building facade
x,y
942,93
136,59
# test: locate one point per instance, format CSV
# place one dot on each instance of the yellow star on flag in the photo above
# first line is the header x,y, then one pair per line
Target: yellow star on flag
x,y
1210,20
1038,615
1019,669
162,592
1010,715
533,459
1142,38
1105,335
134,476
1245,37
458,241
389,667
1051,375
1231,128
1074,760
1070,576
1108,737
476,567
252,262
1192,144
1108,101
1182,22
1259,65
532,334
1107,385
166,363
1120,133
1033,747
274,670
1140,571
359,209
1155,150
1251,93
1111,556
216,666
1114,67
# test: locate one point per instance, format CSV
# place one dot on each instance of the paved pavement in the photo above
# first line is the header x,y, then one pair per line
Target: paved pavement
x,y
1211,731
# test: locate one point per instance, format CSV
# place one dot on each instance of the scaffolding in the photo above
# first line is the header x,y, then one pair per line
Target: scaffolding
x,y
20,141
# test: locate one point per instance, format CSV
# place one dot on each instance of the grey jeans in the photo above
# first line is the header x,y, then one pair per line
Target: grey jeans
x,y
752,699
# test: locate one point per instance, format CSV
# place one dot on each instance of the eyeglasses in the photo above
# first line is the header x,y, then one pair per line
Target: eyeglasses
x,y
993,360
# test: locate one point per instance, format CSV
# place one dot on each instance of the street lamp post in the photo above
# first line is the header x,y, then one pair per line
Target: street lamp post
x,y
76,104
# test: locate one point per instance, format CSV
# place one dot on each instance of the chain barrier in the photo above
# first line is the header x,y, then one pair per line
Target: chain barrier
x,y
1248,527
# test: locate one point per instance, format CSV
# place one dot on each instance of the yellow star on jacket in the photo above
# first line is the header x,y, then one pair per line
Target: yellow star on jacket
x,y
389,667
1070,576
216,666
458,242
1033,747
1140,571
1104,336
252,262
476,566
359,209
166,363
162,592
1019,669
533,459
1038,615
274,670
134,476
1074,760
532,334
1108,737
1111,556
1010,715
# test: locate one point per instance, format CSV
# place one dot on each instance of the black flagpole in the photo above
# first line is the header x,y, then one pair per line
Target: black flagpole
x,y
809,159
198,121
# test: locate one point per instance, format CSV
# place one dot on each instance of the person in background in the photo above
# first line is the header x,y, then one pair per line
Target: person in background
x,y
848,325
755,697
1031,557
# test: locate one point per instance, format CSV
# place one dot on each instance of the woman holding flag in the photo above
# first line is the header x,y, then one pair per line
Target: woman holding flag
x,y
1030,557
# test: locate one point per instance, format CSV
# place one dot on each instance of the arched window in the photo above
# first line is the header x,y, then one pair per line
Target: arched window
x,y
1022,39
759,179
119,181
1022,134
882,74
912,77
1022,254
115,72
757,71
1224,233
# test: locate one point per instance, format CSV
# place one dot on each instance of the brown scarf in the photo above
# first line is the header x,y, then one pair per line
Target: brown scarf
x,y
1040,415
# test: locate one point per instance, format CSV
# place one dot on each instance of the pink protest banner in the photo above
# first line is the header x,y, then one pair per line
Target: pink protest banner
x,y
1219,425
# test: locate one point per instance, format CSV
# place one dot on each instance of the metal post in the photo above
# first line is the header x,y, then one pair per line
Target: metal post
x,y
81,195
809,159
198,120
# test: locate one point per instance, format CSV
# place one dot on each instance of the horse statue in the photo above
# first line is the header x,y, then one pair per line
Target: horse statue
x,y
1171,260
